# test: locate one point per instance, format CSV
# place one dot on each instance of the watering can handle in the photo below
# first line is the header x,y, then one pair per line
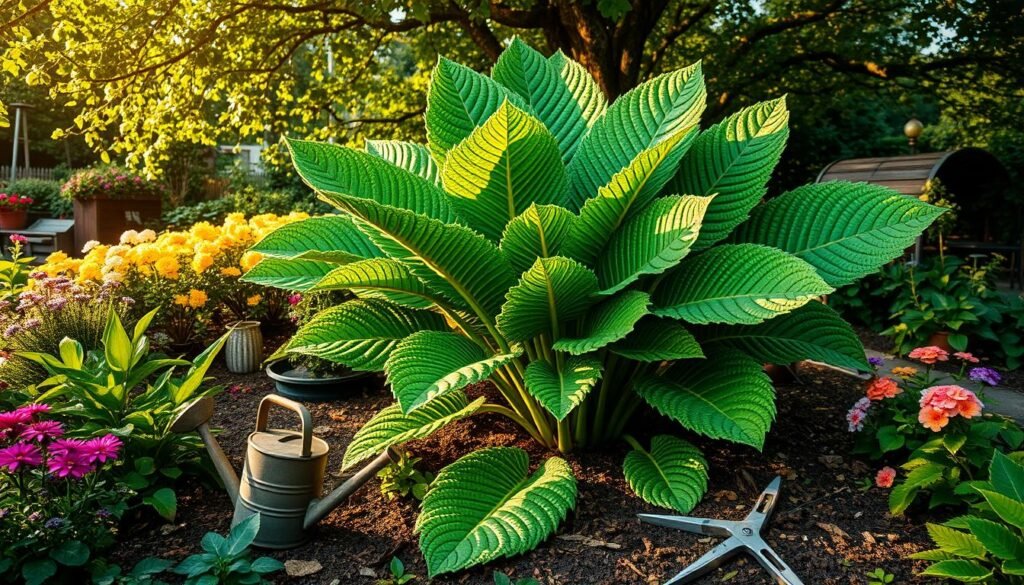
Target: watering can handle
x,y
307,419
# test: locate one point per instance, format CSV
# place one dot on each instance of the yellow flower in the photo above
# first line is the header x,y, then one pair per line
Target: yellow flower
x,y
201,262
254,300
230,271
168,267
904,372
197,298
204,231
181,300
90,271
249,260
56,257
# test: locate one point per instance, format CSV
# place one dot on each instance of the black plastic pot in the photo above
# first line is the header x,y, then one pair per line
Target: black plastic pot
x,y
298,384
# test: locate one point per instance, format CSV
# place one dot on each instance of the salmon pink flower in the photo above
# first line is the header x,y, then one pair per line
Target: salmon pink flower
x,y
929,354
966,356
933,418
20,455
885,477
882,388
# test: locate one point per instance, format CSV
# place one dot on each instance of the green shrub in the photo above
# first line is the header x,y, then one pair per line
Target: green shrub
x,y
46,194
248,201
585,258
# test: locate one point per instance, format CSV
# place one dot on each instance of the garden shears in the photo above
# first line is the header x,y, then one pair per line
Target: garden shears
x,y
740,536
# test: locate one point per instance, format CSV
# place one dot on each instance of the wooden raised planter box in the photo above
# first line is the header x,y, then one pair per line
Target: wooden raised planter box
x,y
104,220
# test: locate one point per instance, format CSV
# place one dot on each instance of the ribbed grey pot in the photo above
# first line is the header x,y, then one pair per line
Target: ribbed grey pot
x,y
243,351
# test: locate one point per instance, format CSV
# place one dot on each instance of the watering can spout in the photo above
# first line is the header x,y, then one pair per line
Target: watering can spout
x,y
322,507
196,417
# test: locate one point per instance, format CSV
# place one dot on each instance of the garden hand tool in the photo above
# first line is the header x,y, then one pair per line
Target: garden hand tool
x,y
283,474
741,536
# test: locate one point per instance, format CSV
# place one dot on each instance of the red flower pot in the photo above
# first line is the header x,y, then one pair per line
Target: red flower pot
x,y
13,220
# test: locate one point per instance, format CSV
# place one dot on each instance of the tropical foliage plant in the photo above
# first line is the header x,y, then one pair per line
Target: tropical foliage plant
x,y
987,544
585,258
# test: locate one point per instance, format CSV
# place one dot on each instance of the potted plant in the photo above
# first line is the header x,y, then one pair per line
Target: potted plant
x,y
310,378
109,201
14,210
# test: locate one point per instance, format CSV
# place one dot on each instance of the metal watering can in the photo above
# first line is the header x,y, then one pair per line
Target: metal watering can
x,y
283,474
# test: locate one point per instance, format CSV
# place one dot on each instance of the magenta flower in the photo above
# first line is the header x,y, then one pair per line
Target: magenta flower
x,y
15,418
70,463
20,455
34,408
294,299
101,449
18,239
66,446
43,430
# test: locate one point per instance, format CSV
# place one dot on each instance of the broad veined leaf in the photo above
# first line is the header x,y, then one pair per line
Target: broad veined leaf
x,y
673,474
727,396
428,364
656,339
560,390
959,570
361,334
997,539
552,291
628,192
457,262
487,505
902,494
733,161
959,543
845,230
288,273
1008,509
459,100
334,171
564,98
502,168
812,332
391,426
410,156
330,238
737,284
536,233
611,320
639,120
380,278
651,242
1007,476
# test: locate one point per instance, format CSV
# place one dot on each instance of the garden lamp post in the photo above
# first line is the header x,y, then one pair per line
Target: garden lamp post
x,y
912,130
20,125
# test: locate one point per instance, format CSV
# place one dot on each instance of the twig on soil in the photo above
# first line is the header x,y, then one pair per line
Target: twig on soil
x,y
814,501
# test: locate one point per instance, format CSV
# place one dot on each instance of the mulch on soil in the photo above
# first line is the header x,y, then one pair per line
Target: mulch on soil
x,y
825,527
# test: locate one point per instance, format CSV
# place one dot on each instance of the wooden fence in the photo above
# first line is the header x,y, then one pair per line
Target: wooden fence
x,y
29,173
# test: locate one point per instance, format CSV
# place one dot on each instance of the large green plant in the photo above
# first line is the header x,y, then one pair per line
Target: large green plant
x,y
584,258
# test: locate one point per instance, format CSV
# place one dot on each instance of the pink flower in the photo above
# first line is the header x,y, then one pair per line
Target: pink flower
x,y
885,477
941,403
294,299
20,455
35,408
66,446
966,356
18,239
11,422
101,449
69,463
929,354
42,431
855,417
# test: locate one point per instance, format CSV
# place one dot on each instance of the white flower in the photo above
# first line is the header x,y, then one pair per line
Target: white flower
x,y
147,236
130,237
89,246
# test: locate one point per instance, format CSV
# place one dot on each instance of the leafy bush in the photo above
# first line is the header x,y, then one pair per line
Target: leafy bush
x,y
58,505
45,194
110,183
987,545
14,273
249,201
936,432
127,391
564,250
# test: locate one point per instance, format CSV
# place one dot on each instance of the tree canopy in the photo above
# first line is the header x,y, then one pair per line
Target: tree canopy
x,y
142,75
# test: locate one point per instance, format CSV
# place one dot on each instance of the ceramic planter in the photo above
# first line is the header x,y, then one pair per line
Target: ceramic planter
x,y
13,220
940,339
243,350
298,384
104,220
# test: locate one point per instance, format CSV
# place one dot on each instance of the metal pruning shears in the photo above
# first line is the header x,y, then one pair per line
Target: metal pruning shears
x,y
740,536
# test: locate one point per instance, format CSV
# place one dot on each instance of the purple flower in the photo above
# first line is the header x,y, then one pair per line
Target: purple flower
x,y
20,455
42,431
985,376
56,303
32,323
101,449
54,523
12,330
876,361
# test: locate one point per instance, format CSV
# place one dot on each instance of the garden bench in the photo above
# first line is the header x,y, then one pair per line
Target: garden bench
x,y
46,236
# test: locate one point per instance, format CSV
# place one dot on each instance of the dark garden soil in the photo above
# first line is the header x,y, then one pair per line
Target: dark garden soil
x,y
826,527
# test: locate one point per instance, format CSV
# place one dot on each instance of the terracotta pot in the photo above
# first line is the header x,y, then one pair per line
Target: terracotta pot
x,y
940,339
13,220
243,350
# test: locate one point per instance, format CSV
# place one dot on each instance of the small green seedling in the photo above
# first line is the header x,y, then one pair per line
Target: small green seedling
x,y
227,560
398,574
401,478
880,577
503,579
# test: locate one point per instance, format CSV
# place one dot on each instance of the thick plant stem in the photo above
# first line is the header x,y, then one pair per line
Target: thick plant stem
x,y
602,397
581,415
564,436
